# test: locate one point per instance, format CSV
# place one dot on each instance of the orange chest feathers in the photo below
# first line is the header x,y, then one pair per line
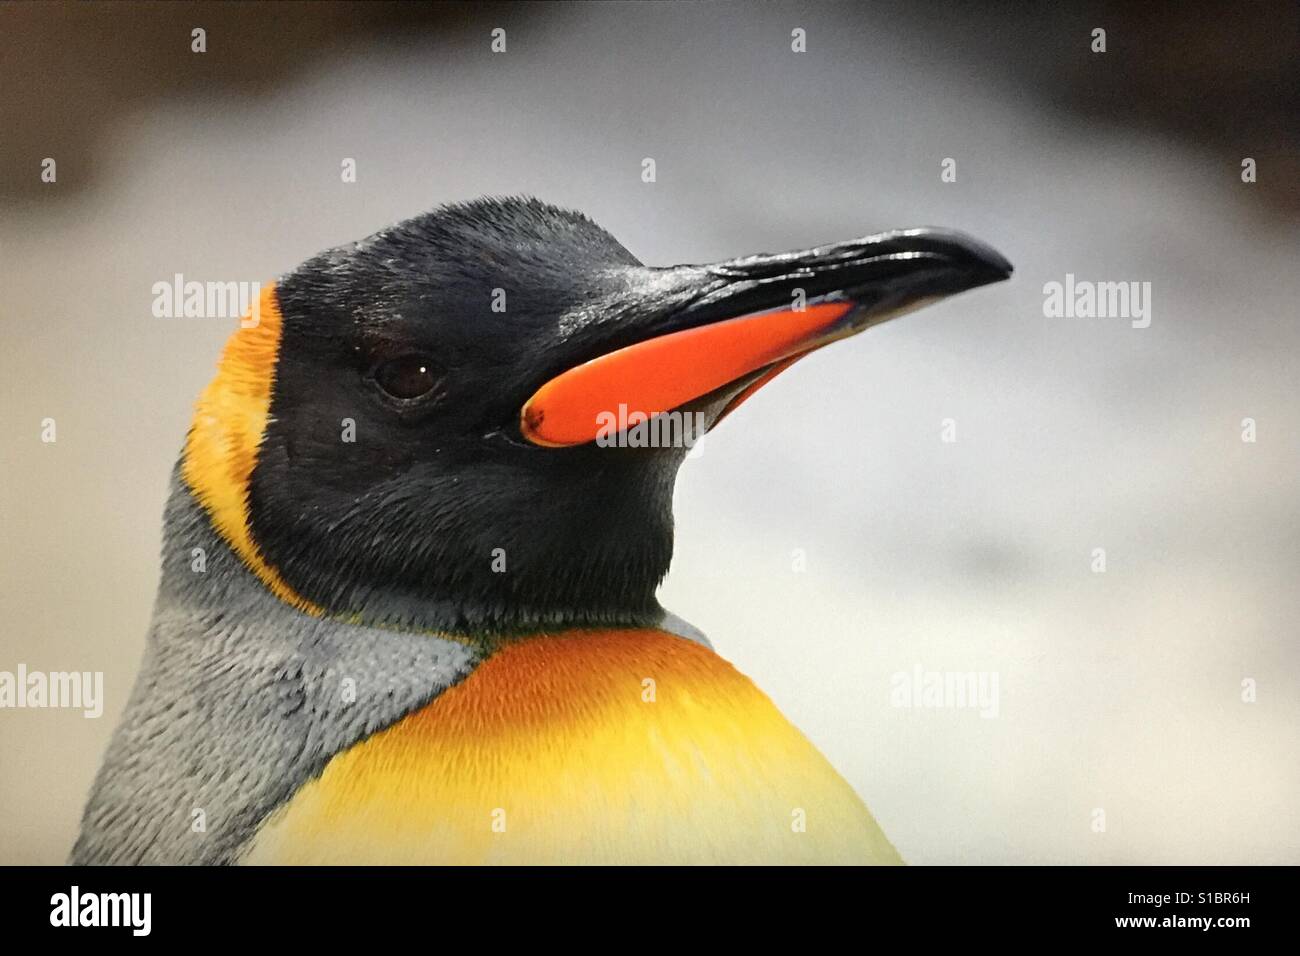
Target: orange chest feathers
x,y
632,746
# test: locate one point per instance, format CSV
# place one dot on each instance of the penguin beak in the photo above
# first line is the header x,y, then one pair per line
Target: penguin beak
x,y
713,335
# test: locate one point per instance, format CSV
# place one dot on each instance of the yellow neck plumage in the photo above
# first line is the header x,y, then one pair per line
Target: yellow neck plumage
x,y
221,448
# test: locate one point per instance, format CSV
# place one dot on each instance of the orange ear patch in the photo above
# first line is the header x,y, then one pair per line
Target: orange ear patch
x,y
221,448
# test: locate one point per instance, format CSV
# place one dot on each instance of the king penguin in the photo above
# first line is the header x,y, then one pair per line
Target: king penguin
x,y
407,607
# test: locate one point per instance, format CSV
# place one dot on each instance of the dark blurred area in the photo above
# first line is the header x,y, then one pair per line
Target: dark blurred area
x,y
1211,74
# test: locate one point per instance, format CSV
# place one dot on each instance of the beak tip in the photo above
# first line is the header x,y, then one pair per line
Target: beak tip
x,y
978,259
1000,268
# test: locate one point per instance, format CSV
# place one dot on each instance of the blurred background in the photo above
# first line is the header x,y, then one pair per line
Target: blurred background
x,y
1119,691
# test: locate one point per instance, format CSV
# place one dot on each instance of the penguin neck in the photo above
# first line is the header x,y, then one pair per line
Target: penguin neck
x,y
600,571
592,557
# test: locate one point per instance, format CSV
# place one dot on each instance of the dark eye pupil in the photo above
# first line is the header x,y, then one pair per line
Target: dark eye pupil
x,y
407,377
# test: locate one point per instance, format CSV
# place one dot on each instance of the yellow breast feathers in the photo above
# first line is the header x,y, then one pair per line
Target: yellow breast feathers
x,y
630,746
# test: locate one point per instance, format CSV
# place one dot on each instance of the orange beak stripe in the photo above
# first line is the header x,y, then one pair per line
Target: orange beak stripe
x,y
666,372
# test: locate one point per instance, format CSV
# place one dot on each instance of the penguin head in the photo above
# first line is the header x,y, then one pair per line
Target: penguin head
x,y
472,422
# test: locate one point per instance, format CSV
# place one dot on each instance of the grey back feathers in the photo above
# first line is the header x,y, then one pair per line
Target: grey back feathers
x,y
683,628
241,700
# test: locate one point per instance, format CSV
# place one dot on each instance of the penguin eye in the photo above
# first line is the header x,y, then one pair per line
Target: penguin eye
x,y
407,377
